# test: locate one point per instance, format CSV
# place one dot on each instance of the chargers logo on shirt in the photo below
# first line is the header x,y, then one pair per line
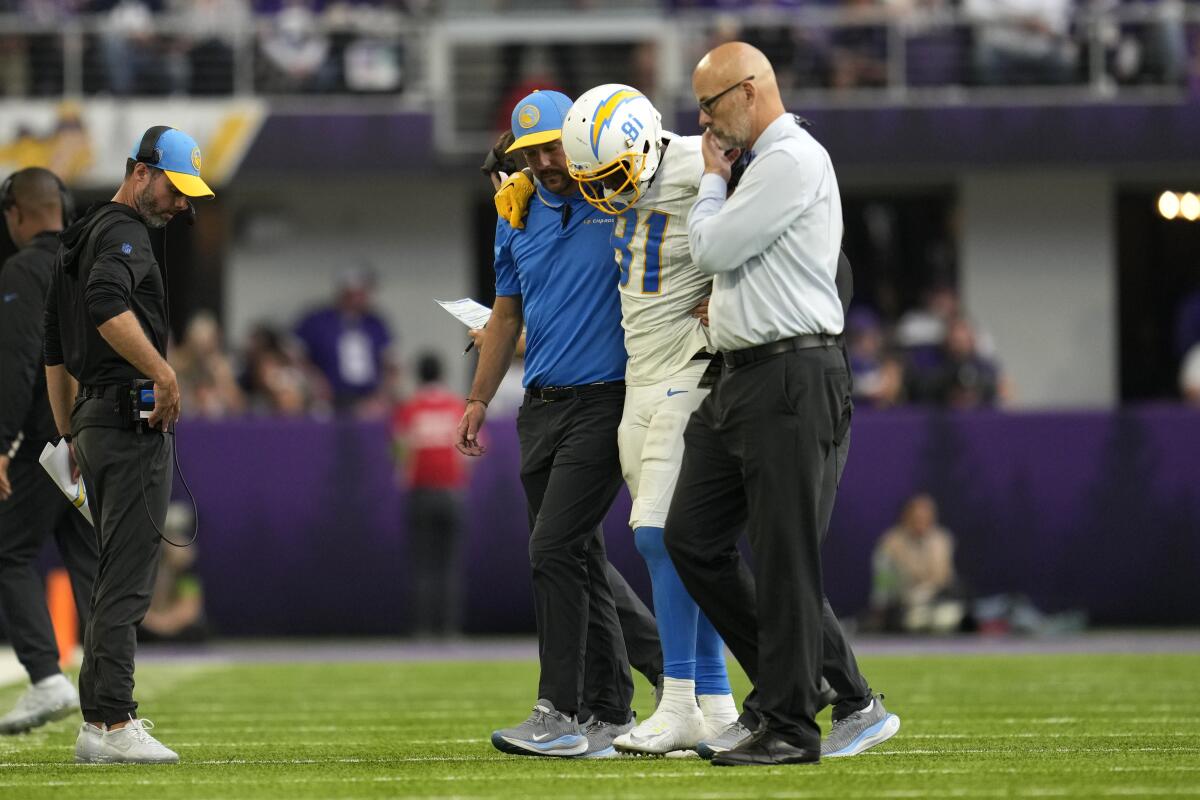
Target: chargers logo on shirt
x,y
604,114
126,248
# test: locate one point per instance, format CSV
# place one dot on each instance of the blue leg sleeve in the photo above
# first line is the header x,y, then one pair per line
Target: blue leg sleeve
x,y
674,608
712,677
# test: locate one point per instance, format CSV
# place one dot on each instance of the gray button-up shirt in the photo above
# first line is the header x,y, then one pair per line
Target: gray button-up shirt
x,y
773,246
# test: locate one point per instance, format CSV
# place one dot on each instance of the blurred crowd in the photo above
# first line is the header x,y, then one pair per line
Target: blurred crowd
x,y
934,355
154,47
160,47
337,359
878,43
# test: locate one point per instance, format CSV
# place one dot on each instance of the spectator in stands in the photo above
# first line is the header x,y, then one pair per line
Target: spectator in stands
x,y
349,343
275,379
859,50
209,387
1022,41
878,375
1189,377
435,475
914,587
210,29
177,604
296,51
965,378
135,56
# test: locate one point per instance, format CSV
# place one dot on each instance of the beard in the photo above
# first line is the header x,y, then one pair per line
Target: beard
x,y
153,215
736,135
556,180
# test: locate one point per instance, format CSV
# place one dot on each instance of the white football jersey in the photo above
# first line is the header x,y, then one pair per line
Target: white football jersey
x,y
660,284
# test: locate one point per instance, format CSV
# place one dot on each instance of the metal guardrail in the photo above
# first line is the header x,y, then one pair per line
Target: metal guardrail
x,y
458,66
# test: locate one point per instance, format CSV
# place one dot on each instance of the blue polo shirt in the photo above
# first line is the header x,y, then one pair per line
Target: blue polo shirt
x,y
567,278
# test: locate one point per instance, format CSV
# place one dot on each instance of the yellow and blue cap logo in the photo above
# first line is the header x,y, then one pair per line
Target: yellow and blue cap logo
x,y
538,118
178,155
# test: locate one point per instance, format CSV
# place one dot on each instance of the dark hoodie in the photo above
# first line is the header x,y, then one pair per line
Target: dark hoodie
x,y
105,267
25,419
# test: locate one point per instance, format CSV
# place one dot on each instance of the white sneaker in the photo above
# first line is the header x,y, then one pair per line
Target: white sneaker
x,y
89,745
131,744
664,731
47,700
719,712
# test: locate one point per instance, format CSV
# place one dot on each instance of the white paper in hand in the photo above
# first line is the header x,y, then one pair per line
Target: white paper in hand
x,y
56,460
467,311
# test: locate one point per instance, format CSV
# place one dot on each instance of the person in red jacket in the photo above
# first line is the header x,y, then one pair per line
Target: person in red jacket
x,y
424,429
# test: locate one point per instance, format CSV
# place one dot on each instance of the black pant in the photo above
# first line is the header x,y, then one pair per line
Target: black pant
x,y
117,465
638,628
571,473
435,540
36,510
765,448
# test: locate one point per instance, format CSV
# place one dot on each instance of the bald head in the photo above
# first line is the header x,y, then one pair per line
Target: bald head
x,y
737,92
32,204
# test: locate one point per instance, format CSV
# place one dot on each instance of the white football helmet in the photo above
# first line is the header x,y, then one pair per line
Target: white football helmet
x,y
611,137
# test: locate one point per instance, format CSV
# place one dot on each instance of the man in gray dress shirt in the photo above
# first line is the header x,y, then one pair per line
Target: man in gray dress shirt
x,y
766,448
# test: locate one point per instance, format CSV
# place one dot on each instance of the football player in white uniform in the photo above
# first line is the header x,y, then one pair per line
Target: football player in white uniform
x,y
628,166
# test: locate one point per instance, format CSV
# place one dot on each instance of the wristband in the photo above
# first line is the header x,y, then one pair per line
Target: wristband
x,y
476,400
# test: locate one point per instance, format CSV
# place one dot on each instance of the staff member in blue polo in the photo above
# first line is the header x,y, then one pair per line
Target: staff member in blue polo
x,y
556,276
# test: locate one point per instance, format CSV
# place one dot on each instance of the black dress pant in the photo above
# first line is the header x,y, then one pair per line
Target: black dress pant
x,y
638,628
118,465
36,510
765,449
435,544
571,473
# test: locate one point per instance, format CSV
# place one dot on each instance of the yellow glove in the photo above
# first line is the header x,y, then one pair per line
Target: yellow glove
x,y
512,198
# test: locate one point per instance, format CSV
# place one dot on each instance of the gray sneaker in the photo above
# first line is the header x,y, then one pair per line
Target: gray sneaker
x,y
827,696
600,737
131,744
861,730
547,732
47,700
734,734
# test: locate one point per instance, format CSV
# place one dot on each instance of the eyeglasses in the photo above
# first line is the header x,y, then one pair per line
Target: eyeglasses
x,y
707,104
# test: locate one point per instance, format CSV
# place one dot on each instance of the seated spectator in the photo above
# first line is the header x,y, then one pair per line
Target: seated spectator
x,y
177,604
964,378
295,51
205,374
136,58
424,430
1022,42
859,51
1189,377
349,343
914,588
212,29
878,375
274,377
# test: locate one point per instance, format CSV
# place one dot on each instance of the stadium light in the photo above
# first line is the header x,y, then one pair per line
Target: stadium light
x,y
1189,207
1168,205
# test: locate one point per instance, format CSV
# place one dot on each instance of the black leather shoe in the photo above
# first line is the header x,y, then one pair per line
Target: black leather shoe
x,y
765,749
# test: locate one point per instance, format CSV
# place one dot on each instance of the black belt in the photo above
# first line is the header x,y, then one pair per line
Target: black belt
x,y
740,358
107,390
553,394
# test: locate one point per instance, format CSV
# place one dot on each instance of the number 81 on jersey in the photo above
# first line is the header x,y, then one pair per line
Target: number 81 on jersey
x,y
637,239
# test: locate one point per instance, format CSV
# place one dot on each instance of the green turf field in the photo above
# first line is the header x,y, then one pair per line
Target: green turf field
x,y
1083,726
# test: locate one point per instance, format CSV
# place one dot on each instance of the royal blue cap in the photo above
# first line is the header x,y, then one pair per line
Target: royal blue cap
x,y
538,118
178,155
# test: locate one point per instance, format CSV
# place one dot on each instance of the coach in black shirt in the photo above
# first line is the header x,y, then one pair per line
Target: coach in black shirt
x,y
106,328
31,506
